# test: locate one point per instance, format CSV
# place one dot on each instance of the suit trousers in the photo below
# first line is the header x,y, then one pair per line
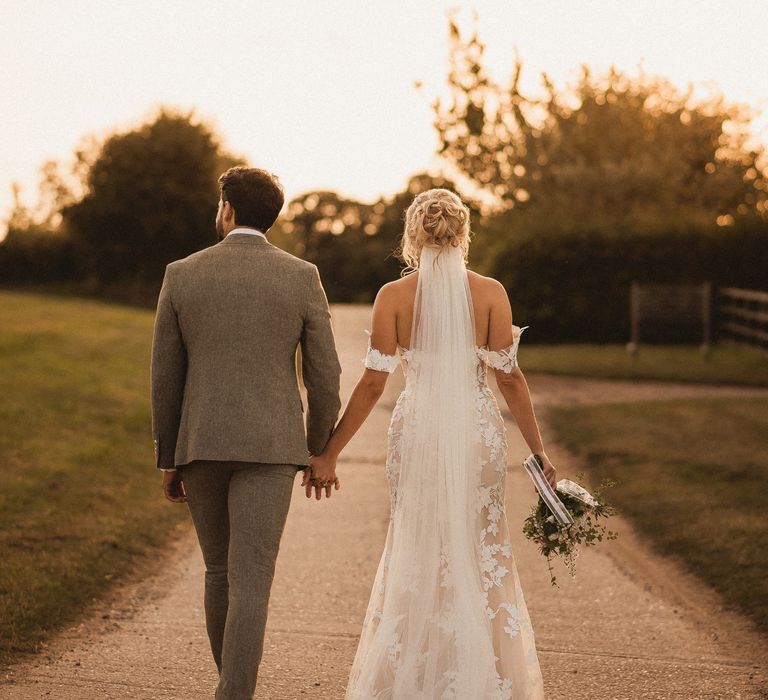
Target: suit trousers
x,y
239,511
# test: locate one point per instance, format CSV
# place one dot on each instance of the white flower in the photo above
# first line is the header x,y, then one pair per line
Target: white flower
x,y
579,492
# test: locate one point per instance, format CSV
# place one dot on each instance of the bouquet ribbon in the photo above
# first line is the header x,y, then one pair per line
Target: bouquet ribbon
x,y
534,468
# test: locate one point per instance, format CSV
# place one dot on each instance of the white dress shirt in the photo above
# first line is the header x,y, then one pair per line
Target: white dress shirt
x,y
251,231
239,229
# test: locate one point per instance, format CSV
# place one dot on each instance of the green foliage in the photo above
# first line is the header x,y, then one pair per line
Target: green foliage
x,y
35,254
133,202
692,477
353,244
150,198
339,236
574,286
621,180
613,153
616,179
563,541
80,497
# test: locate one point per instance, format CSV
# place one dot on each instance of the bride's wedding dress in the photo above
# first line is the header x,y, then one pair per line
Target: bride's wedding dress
x,y
447,618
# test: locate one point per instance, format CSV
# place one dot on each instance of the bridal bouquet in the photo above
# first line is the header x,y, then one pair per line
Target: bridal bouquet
x,y
566,517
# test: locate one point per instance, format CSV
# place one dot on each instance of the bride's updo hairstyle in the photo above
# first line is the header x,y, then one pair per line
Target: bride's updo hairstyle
x,y
436,217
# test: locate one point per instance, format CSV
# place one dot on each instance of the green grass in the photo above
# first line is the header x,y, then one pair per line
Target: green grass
x,y
79,494
693,476
727,364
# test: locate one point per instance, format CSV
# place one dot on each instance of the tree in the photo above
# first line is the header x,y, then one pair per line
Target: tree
x,y
614,153
150,197
353,244
34,248
614,179
329,231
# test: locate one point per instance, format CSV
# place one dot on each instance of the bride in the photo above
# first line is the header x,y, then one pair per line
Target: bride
x,y
446,617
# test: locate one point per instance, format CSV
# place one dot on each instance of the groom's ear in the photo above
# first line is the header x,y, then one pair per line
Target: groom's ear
x,y
228,212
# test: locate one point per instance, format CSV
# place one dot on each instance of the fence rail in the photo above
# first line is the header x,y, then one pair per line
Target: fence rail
x,y
743,315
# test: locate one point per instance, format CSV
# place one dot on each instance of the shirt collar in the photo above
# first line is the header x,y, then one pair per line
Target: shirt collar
x,y
250,231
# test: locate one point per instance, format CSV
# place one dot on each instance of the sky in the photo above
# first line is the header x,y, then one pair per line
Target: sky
x,y
322,93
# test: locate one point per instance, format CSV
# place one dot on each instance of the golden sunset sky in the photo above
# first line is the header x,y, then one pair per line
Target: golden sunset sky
x,y
322,93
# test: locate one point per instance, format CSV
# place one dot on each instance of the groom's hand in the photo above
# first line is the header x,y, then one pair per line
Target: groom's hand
x,y
319,489
320,476
173,487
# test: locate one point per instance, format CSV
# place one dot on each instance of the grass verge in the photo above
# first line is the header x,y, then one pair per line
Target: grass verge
x,y
727,364
79,494
693,476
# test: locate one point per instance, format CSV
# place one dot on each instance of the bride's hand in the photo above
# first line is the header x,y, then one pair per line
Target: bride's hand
x,y
549,469
323,476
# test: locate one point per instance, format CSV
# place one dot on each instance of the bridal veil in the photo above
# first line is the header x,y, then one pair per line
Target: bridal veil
x,y
432,619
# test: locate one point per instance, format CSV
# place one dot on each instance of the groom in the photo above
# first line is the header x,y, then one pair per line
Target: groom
x,y
227,415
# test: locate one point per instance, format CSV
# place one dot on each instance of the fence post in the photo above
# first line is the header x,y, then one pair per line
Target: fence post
x,y
634,318
706,319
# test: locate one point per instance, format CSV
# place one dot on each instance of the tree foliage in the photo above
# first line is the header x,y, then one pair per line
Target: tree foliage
x,y
613,153
353,243
150,197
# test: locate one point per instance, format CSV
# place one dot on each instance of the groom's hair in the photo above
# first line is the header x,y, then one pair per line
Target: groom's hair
x,y
255,195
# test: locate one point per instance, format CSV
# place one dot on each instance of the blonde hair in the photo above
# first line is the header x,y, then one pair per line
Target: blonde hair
x,y
436,217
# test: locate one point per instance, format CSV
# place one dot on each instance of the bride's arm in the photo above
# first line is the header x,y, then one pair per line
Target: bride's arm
x,y
512,385
367,391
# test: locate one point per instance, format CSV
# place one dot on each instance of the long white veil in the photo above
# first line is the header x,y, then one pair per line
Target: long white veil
x,y
433,577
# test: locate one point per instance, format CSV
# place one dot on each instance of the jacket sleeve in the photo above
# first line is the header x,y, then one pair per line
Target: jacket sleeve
x,y
320,367
168,376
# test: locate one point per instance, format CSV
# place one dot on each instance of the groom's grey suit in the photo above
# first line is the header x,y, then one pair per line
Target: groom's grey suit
x,y
226,411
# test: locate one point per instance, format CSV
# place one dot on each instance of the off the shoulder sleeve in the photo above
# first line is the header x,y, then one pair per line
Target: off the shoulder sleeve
x,y
375,359
506,358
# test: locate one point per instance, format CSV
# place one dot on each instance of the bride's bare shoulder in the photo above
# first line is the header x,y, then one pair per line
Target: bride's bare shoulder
x,y
486,288
395,291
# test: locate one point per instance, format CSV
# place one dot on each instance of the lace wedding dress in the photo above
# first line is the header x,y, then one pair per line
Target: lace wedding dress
x,y
447,618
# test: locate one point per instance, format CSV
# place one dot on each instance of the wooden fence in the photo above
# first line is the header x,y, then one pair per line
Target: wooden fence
x,y
663,310
743,315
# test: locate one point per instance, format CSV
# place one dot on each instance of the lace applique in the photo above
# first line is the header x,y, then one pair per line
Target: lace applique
x,y
375,359
505,359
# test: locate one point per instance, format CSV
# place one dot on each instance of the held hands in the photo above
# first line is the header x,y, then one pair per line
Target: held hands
x,y
321,476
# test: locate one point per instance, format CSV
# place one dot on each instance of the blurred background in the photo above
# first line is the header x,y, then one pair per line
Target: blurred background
x,y
600,144
614,156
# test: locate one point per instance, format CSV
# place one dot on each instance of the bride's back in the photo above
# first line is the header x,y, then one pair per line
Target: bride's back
x,y
483,290
438,221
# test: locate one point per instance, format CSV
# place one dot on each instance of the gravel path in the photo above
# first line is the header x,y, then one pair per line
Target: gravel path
x,y
631,625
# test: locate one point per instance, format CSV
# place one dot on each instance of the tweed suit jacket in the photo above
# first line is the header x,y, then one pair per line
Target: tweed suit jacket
x,y
223,370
